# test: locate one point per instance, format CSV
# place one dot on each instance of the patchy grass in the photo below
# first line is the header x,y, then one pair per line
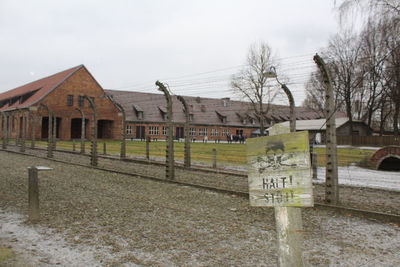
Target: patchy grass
x,y
346,156
227,154
5,255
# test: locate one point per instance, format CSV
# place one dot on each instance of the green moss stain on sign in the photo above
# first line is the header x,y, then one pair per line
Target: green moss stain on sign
x,y
279,170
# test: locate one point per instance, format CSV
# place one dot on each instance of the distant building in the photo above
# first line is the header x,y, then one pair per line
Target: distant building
x,y
211,117
62,93
317,128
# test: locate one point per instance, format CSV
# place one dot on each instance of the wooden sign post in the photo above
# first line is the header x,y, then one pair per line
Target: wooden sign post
x,y
279,175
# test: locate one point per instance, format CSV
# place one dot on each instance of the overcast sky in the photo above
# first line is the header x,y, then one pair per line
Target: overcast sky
x,y
128,44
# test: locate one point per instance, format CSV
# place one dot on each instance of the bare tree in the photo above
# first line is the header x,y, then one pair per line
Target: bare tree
x,y
391,74
375,9
315,94
373,55
344,52
251,83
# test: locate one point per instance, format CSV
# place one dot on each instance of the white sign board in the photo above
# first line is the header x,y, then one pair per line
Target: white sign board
x,y
279,171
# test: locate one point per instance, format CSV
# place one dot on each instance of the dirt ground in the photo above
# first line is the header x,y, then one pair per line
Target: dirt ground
x,y
109,219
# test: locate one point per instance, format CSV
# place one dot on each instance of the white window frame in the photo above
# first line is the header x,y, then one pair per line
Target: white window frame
x,y
153,130
192,131
214,132
203,132
128,129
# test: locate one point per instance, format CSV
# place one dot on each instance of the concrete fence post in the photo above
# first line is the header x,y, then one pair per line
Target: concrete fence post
x,y
23,133
104,148
54,139
5,130
33,191
187,159
49,133
148,148
33,125
33,194
214,158
73,145
93,159
314,165
170,162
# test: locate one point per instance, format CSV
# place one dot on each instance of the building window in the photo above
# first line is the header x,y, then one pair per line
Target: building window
x,y
70,100
252,121
192,131
164,130
214,132
128,129
203,131
140,115
190,117
80,101
225,132
153,130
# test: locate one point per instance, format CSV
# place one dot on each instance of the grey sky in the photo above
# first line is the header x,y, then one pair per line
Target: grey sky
x,y
130,44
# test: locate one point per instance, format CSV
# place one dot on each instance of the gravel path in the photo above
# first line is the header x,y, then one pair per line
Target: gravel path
x,y
131,221
361,197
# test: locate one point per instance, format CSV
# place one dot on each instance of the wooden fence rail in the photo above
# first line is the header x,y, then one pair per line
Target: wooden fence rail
x,y
368,140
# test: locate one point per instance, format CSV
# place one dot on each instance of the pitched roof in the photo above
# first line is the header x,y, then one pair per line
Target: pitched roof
x,y
315,125
206,111
29,94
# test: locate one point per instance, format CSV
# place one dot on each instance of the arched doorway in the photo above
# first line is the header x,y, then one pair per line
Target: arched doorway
x,y
390,163
386,158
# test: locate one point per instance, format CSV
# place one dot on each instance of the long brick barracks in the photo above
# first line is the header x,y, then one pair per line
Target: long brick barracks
x,y
63,95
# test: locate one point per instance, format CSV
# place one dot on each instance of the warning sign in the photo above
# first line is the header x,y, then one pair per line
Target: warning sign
x,y
279,170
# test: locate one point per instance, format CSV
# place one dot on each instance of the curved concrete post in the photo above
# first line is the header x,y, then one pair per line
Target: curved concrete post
x,y
82,130
170,168
187,160
123,127
23,132
54,131
32,117
331,177
4,129
50,131
292,108
93,159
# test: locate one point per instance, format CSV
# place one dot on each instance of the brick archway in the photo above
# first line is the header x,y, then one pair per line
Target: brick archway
x,y
386,158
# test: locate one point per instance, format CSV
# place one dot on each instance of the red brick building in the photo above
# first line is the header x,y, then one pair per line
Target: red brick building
x,y
211,117
63,93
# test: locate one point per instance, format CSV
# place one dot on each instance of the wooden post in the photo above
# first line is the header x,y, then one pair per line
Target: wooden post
x,y
187,160
331,178
33,194
170,167
214,158
148,148
73,145
104,148
289,228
